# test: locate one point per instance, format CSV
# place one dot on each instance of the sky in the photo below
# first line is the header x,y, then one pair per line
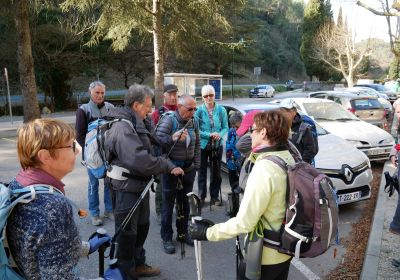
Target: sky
x,y
362,21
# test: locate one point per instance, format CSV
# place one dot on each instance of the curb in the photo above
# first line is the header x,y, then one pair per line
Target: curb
x,y
371,259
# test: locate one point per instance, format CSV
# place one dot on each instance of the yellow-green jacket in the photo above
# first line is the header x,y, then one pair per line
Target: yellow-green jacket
x,y
264,196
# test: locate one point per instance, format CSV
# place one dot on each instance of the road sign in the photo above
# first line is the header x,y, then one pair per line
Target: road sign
x,y
257,71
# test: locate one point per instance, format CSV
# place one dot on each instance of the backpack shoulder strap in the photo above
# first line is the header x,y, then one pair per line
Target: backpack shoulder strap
x,y
302,130
278,161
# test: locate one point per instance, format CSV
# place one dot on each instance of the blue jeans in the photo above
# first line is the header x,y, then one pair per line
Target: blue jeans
x,y
93,196
169,194
395,224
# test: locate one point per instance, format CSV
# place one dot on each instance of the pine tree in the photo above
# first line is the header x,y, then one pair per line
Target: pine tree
x,y
316,14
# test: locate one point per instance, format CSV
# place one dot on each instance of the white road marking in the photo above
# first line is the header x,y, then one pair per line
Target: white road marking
x,y
304,270
11,140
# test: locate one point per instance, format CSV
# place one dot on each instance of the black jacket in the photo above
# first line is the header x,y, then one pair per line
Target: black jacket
x,y
132,149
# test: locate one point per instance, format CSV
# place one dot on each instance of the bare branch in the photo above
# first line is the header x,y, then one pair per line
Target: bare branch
x,y
376,12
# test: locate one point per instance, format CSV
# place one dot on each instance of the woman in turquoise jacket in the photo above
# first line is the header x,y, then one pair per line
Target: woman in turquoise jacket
x,y
213,122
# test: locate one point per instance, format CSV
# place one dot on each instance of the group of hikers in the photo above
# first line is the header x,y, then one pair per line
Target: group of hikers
x,y
171,142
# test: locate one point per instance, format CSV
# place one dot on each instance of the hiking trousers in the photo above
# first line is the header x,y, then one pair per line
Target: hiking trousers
x,y
215,173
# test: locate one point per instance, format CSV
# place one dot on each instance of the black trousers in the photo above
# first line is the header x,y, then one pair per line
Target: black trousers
x,y
278,271
215,169
130,251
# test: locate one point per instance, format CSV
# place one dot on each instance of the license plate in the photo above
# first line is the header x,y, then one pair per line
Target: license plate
x,y
376,152
349,196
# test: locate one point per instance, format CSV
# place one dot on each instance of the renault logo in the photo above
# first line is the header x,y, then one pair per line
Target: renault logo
x,y
348,174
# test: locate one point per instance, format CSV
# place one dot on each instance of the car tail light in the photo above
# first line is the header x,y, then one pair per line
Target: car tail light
x,y
352,110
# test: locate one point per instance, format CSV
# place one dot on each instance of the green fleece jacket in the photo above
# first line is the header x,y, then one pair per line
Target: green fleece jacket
x,y
264,197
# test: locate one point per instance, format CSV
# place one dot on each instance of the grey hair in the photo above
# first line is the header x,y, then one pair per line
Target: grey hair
x,y
95,84
207,89
137,93
183,99
235,118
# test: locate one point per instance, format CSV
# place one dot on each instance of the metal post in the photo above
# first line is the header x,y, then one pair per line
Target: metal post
x,y
233,60
8,94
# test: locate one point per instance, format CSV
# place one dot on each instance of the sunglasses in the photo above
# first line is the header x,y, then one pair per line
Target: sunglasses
x,y
73,146
190,109
209,95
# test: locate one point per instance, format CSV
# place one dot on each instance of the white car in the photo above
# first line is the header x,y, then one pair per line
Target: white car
x,y
370,139
262,91
347,167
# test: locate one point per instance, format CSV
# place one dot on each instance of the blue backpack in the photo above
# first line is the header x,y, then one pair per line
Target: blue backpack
x,y
308,123
94,157
8,200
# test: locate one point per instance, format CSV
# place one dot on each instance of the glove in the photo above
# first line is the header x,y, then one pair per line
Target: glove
x,y
113,274
198,229
96,241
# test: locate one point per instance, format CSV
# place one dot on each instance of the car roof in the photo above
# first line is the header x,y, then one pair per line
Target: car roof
x,y
345,93
245,107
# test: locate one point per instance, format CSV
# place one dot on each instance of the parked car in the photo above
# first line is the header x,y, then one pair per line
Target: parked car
x,y
262,91
367,108
381,88
347,167
382,98
375,142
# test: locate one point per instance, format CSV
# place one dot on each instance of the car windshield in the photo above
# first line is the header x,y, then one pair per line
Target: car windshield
x,y
366,104
328,111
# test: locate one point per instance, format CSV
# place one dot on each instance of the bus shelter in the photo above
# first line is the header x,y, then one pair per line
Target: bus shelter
x,y
192,83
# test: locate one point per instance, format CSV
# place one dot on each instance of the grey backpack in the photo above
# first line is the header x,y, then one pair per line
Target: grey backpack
x,y
311,221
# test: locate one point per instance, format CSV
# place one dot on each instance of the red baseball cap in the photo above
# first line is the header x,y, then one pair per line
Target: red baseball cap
x,y
247,122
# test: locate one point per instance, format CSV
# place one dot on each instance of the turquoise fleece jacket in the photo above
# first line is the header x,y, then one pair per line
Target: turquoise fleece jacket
x,y
220,123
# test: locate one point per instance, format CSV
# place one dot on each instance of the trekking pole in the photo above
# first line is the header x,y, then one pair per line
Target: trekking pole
x,y
101,232
195,212
180,217
176,141
128,218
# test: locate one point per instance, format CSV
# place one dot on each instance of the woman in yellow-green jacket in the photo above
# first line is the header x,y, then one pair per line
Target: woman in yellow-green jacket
x,y
264,198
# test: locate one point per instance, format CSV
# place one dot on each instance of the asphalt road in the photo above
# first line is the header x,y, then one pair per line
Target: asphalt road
x,y
218,258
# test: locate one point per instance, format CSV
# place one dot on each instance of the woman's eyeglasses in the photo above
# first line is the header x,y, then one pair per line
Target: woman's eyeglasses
x,y
73,146
251,129
208,95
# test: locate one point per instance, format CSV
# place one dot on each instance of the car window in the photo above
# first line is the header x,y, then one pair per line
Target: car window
x,y
327,111
366,104
335,99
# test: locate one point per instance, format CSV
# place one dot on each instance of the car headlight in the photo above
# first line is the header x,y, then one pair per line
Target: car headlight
x,y
388,141
355,143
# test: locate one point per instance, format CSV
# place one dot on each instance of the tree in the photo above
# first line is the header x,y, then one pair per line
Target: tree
x,y
388,12
316,14
166,21
394,69
25,61
335,46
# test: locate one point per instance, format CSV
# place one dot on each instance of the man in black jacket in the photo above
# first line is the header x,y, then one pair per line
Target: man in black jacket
x,y
301,133
95,109
129,152
180,132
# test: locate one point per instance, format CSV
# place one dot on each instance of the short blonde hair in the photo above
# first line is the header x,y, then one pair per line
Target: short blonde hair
x,y
41,134
207,89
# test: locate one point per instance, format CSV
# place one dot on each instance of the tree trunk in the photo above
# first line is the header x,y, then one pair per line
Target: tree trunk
x,y
158,53
25,62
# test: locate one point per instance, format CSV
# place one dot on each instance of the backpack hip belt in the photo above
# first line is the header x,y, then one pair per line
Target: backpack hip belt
x,y
120,173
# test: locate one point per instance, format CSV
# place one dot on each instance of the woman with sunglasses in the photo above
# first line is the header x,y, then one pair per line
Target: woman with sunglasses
x,y
42,235
213,121
264,198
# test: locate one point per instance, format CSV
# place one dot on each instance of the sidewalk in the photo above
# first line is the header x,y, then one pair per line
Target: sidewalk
x,y
8,129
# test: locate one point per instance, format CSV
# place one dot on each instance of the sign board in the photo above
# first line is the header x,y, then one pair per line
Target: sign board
x,y
217,87
257,71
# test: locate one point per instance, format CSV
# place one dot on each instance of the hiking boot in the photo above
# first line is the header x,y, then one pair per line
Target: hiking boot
x,y
169,247
216,202
187,238
145,270
97,221
109,215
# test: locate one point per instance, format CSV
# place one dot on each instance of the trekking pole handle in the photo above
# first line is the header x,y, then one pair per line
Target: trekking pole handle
x,y
101,232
